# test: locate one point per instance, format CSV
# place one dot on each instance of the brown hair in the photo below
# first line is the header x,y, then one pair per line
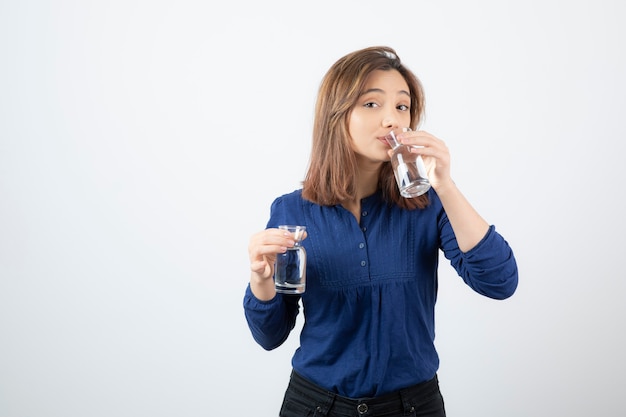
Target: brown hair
x,y
330,178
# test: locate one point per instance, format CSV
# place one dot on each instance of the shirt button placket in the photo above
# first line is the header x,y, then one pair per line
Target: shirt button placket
x,y
364,213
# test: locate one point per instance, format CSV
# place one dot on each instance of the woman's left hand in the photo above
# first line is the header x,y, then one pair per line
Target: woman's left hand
x,y
434,152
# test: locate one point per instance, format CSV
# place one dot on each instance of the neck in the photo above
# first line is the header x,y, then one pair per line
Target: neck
x,y
366,185
367,179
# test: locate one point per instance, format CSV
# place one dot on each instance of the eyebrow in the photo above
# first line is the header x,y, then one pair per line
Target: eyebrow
x,y
379,90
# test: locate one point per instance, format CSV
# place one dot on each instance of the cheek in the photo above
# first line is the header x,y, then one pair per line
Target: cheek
x,y
352,123
356,123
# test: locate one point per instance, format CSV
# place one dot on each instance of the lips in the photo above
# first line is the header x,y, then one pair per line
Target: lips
x,y
383,140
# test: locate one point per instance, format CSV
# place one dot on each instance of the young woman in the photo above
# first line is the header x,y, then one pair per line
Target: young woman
x,y
367,344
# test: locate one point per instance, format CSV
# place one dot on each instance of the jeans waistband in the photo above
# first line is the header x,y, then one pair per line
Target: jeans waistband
x,y
395,403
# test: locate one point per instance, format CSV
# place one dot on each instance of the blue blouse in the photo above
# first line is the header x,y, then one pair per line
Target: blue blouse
x,y
370,292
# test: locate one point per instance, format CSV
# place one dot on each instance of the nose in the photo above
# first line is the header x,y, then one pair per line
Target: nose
x,y
390,122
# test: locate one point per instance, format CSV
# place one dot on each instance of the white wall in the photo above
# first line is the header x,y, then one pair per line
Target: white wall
x,y
123,243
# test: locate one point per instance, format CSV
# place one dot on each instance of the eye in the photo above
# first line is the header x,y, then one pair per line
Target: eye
x,y
370,104
403,107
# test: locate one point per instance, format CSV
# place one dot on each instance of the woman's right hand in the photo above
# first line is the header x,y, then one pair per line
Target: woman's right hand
x,y
262,250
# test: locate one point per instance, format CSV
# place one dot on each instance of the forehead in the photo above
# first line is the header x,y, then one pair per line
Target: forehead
x,y
388,81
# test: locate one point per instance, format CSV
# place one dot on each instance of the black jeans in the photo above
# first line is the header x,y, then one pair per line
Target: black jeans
x,y
305,399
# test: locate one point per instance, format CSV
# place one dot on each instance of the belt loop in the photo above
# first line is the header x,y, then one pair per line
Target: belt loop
x,y
409,409
324,409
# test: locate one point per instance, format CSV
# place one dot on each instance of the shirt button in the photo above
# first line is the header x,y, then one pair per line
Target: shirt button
x,y
363,263
364,228
361,245
364,213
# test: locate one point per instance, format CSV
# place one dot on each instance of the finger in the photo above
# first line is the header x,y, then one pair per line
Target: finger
x,y
419,137
262,268
266,253
273,238
276,237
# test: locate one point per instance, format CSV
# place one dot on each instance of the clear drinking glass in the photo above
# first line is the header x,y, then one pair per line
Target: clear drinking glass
x,y
290,267
408,168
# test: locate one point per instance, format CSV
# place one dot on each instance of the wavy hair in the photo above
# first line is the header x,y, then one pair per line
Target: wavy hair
x,y
330,177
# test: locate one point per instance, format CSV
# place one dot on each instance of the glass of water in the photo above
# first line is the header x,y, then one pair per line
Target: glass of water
x,y
408,168
290,268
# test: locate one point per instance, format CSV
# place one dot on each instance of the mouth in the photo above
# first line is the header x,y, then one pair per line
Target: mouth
x,y
383,139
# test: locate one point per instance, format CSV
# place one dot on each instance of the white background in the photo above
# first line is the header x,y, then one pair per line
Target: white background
x,y
141,143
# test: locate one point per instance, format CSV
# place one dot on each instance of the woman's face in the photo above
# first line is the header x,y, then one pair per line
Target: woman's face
x,y
383,106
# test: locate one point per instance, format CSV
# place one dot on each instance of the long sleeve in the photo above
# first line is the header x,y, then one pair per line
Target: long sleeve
x,y
270,321
489,268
